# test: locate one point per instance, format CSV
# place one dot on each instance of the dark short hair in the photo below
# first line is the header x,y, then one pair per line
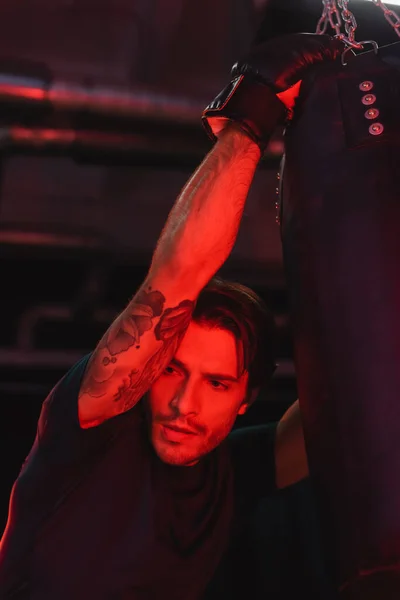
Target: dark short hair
x,y
241,311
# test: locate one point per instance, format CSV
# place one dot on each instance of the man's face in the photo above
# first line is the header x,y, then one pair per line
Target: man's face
x,y
194,403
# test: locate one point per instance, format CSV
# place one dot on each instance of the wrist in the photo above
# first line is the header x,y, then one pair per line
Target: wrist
x,y
238,139
251,104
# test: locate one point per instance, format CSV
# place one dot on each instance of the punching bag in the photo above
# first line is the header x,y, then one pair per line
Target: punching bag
x,y
340,225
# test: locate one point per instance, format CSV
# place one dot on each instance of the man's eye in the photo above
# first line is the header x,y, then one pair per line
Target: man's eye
x,y
169,371
217,385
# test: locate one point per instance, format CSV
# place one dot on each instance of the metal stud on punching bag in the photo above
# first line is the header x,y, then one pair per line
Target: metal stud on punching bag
x,y
340,223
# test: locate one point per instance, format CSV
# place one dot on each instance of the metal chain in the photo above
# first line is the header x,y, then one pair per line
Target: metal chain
x,y
322,24
329,9
391,17
350,24
331,16
334,18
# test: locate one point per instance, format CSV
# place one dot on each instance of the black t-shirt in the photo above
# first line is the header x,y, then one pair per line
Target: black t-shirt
x,y
95,514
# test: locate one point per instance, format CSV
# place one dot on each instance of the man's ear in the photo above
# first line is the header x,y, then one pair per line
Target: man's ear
x,y
248,401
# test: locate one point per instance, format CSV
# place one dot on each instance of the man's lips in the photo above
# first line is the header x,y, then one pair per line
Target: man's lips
x,y
176,434
179,429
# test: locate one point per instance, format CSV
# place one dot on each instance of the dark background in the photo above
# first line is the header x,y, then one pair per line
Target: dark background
x,y
100,104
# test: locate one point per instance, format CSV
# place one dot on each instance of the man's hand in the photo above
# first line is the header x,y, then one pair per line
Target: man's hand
x,y
266,82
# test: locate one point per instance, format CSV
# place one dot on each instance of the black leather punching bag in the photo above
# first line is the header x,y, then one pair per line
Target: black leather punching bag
x,y
340,220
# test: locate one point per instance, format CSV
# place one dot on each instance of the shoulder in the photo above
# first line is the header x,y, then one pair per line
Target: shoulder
x,y
63,398
60,436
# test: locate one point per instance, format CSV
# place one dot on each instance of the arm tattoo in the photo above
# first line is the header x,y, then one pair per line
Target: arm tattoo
x,y
170,330
124,334
127,330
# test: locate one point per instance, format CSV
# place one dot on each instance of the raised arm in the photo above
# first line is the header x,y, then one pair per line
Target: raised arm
x,y
201,228
196,240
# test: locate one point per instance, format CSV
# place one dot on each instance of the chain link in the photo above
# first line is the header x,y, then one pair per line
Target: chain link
x,y
325,18
350,23
335,13
391,17
322,24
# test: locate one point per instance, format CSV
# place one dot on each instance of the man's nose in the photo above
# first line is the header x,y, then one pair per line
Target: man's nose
x,y
185,399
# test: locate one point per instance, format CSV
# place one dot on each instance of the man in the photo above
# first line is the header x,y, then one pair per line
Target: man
x,y
132,488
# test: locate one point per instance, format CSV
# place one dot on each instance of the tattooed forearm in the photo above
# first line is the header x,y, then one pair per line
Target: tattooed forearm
x,y
107,374
124,333
127,330
170,330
